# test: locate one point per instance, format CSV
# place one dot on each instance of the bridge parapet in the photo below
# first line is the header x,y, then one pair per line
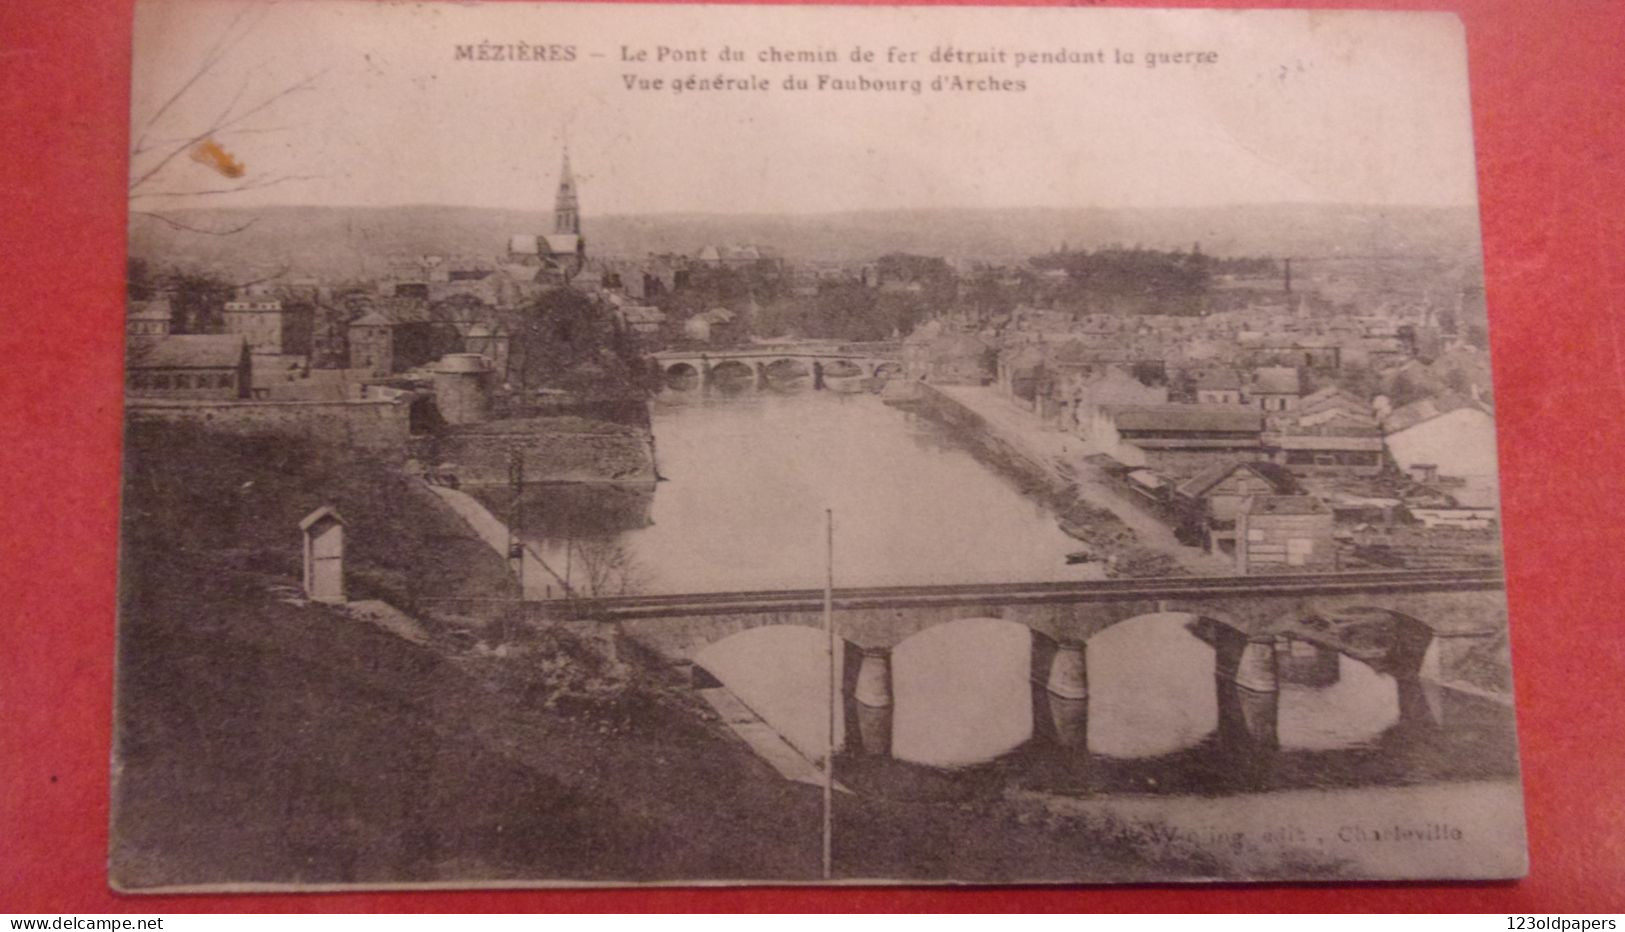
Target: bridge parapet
x,y
1409,613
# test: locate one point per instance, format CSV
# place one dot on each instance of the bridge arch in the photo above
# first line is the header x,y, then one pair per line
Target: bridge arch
x,y
786,369
682,375
731,370
781,672
886,370
842,368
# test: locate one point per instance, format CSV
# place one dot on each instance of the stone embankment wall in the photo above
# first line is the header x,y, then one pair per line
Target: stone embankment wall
x,y
370,425
1101,532
555,449
1036,476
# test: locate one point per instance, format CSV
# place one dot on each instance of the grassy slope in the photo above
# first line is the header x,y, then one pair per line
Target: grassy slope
x,y
266,741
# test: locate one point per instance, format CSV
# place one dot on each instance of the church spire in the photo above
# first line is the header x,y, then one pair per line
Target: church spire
x,y
566,212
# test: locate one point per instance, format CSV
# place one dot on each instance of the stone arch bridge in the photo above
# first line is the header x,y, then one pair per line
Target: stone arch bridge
x,y
1417,626
759,361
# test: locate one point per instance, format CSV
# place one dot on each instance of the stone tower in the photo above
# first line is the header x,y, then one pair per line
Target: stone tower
x,y
566,212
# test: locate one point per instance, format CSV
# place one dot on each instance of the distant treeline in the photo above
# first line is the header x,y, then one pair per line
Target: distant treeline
x,y
1173,281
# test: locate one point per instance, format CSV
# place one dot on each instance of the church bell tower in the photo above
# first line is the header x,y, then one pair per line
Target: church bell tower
x,y
566,212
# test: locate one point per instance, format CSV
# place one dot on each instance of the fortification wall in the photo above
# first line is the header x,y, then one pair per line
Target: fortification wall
x,y
370,425
554,450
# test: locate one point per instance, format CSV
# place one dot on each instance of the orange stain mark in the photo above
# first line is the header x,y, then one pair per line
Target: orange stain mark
x,y
208,152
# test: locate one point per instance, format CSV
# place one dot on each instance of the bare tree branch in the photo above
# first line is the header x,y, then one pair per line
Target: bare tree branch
x,y
178,225
220,126
239,131
246,186
304,84
210,58
264,278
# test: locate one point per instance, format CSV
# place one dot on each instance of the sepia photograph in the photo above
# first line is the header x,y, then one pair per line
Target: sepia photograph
x,y
575,444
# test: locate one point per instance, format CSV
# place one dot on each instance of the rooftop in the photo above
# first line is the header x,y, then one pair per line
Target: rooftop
x,y
1198,485
188,351
1285,505
1276,380
1427,409
1187,418
1216,379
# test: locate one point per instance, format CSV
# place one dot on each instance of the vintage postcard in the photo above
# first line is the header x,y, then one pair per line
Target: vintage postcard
x,y
573,444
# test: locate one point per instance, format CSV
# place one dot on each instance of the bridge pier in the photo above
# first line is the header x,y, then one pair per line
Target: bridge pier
x,y
1059,672
1249,690
872,700
1305,663
1064,722
1421,706
1068,673
1255,667
1249,720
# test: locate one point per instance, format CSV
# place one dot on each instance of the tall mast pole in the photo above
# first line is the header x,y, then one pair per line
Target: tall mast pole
x,y
834,691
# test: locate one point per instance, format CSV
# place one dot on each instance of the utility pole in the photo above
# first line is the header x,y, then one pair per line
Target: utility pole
x,y
516,516
834,691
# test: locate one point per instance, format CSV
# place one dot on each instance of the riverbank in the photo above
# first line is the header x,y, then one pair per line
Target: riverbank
x,y
1050,467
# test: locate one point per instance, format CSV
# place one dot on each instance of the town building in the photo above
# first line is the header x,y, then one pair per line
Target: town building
x,y
1445,436
740,257
709,326
462,388
492,342
1210,501
1284,533
1274,388
641,319
1023,373
152,318
1215,385
1176,439
214,366
259,321
1108,385
372,343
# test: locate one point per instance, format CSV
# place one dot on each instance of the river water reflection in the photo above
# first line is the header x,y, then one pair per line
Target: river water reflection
x,y
1156,719
747,479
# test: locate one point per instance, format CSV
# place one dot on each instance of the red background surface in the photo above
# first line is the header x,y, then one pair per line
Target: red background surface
x,y
1549,118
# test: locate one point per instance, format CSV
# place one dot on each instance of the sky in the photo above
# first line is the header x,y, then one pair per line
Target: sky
x,y
1300,107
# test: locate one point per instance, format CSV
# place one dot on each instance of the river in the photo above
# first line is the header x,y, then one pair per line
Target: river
x,y
746,479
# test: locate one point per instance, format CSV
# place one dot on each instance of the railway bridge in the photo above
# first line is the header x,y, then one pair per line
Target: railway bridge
x,y
1418,626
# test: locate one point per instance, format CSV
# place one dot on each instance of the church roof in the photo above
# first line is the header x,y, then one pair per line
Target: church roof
x,y
560,244
523,244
